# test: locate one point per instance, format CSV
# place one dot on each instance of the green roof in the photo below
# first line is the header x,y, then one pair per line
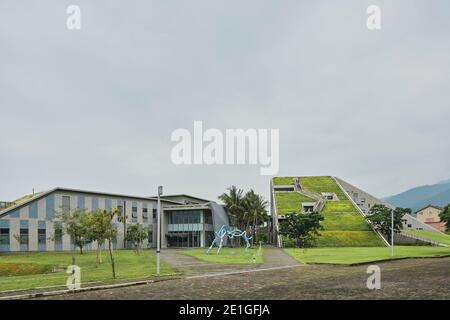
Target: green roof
x,y
343,225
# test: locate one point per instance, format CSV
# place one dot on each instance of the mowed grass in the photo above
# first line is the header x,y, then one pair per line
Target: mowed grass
x,y
282,181
128,266
322,184
343,225
438,237
289,202
226,255
341,215
362,255
348,239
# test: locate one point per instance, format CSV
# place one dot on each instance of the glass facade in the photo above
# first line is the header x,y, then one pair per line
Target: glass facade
x,y
185,217
189,228
180,239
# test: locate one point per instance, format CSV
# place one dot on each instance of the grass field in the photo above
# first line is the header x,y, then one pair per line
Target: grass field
x,y
360,255
289,202
226,255
282,181
348,239
322,184
438,237
341,215
35,269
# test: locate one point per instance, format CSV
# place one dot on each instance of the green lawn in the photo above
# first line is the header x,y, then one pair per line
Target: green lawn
x,y
342,216
288,202
359,255
128,266
349,239
226,255
283,181
322,184
438,237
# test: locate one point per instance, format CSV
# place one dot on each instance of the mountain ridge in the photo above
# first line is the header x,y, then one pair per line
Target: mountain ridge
x,y
437,194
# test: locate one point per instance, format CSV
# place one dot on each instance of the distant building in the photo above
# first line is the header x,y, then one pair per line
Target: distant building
x,y
430,216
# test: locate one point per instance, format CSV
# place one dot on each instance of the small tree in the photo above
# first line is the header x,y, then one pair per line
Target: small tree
x,y
136,234
110,233
303,227
98,230
445,217
76,225
381,218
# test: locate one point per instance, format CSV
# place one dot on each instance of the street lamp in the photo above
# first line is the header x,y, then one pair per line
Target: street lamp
x,y
158,232
392,232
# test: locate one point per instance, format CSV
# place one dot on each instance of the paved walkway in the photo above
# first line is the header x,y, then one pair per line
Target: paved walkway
x,y
402,279
273,257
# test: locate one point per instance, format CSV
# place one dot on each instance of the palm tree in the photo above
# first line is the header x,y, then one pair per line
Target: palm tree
x,y
234,203
255,211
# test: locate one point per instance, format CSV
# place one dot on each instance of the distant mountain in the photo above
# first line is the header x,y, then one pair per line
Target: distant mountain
x,y
416,198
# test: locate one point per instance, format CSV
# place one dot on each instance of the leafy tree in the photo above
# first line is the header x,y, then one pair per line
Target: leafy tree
x,y
107,217
303,227
76,225
381,218
445,217
98,230
136,234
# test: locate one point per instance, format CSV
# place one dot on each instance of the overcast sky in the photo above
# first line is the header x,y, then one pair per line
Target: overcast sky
x,y
94,108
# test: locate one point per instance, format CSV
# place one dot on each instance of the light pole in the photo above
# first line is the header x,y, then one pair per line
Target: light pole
x,y
158,232
392,232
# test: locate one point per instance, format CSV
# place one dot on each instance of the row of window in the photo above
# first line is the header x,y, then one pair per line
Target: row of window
x,y
190,217
23,236
66,207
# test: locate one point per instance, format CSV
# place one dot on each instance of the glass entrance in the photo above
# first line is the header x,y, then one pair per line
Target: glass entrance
x,y
183,239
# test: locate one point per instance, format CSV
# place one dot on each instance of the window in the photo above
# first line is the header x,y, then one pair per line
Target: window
x,y
134,214
409,226
41,236
150,236
66,204
58,233
208,218
4,236
155,218
119,216
24,236
145,215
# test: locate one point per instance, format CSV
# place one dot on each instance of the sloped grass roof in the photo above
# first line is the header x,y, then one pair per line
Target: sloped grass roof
x,y
283,181
341,215
343,225
289,202
322,184
438,237
348,239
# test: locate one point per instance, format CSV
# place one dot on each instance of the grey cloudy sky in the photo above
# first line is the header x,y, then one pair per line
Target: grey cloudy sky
x,y
94,108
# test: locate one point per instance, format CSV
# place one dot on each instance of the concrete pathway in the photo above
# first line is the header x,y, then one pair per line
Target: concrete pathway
x,y
273,258
431,281
276,257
